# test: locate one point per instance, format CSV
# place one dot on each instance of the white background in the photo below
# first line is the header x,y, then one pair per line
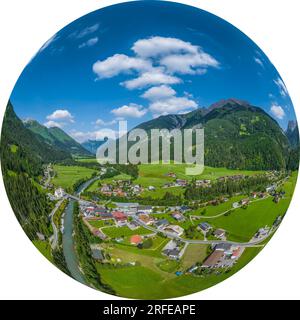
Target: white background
x,y
26,25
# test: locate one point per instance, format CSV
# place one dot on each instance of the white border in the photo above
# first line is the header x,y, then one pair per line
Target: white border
x,y
26,25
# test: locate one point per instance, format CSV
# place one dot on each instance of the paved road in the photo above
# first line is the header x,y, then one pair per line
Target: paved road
x,y
190,241
55,230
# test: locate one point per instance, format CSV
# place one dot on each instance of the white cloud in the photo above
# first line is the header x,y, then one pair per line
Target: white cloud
x,y
160,46
259,61
281,86
119,63
277,111
132,110
100,122
89,43
157,93
61,115
189,63
172,105
81,136
150,78
88,30
51,123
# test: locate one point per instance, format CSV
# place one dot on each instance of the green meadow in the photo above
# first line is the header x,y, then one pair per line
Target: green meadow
x,y
242,224
66,176
149,281
117,232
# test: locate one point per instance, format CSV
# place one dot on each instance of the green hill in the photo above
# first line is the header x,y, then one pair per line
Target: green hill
x,y
237,135
57,138
22,156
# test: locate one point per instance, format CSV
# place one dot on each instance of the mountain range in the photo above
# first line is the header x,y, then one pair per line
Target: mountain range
x,y
56,138
292,133
92,145
237,135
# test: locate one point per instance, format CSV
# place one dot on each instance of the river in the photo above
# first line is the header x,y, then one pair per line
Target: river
x,y
67,237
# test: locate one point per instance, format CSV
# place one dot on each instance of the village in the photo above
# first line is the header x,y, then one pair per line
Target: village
x,y
156,221
120,221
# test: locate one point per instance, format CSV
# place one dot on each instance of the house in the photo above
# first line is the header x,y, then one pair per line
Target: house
x,y
146,219
106,215
202,183
175,229
97,254
136,239
144,209
105,188
99,211
128,207
97,233
254,195
235,205
171,175
172,250
160,224
213,259
120,218
244,202
59,193
271,188
237,253
204,226
181,182
132,225
178,216
219,233
277,221
174,253
184,209
136,189
224,247
262,232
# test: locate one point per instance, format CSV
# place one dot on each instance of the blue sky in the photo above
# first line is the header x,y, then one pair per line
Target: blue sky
x,y
142,59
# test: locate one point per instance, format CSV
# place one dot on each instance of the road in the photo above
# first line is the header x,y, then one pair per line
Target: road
x,y
55,230
190,241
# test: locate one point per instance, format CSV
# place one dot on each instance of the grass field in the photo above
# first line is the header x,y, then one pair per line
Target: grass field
x,y
45,248
211,211
68,175
169,265
193,253
154,251
243,223
155,175
87,160
101,223
117,232
149,282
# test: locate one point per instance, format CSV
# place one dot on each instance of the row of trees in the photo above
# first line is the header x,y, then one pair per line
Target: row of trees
x,y
228,187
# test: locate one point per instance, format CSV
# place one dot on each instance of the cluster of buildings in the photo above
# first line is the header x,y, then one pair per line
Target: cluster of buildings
x,y
205,227
236,177
177,183
59,193
224,255
174,249
203,183
121,188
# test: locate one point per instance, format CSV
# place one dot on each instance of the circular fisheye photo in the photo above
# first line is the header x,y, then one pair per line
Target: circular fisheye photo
x,y
150,150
